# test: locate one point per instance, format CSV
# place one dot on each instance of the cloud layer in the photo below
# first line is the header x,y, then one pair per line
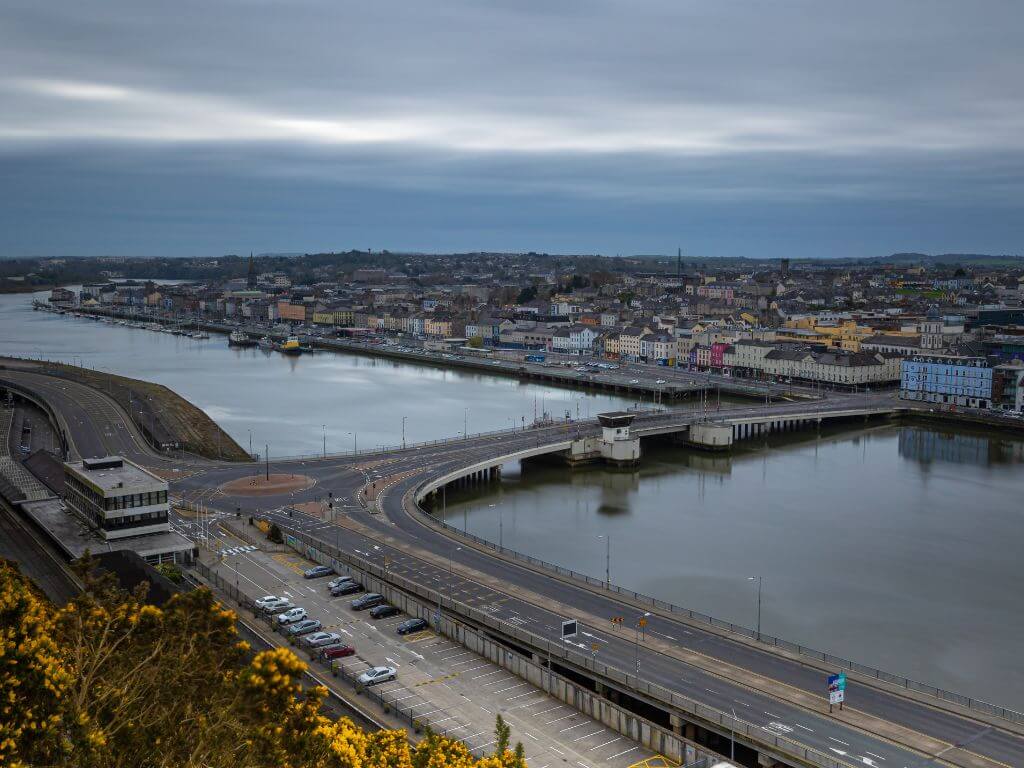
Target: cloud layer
x,y
473,125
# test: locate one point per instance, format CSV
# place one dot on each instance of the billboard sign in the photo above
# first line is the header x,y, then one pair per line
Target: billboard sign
x,y
836,688
569,628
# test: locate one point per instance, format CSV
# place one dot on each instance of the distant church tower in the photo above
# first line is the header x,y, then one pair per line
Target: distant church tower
x,y
251,278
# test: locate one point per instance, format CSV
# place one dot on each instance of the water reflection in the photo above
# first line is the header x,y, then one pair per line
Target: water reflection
x,y
892,545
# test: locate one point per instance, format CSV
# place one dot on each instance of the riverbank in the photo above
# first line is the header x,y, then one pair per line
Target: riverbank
x,y
678,388
166,419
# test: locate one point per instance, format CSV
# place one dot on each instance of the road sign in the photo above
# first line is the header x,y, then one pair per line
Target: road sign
x,y
836,689
569,628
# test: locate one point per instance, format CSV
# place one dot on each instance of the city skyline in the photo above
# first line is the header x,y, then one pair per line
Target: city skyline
x,y
806,131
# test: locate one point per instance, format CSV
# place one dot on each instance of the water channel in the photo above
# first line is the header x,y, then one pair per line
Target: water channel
x,y
897,546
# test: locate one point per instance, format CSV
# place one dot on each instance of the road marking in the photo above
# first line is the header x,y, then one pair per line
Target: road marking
x,y
495,672
612,741
588,735
873,755
624,752
837,741
771,714
566,717
531,736
809,730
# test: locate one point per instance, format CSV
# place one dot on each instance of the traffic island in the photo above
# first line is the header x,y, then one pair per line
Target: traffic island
x,y
267,485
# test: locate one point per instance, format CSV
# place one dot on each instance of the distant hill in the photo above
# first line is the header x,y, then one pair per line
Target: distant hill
x,y
950,258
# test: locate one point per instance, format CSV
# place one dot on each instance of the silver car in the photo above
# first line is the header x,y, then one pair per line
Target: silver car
x,y
320,639
376,675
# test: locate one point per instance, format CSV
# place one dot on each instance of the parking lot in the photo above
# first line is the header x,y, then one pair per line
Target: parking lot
x,y
439,682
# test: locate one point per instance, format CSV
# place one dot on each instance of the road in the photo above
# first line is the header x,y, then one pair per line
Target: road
x,y
780,695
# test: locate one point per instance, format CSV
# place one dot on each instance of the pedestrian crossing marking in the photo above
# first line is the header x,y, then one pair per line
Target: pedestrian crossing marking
x,y
238,550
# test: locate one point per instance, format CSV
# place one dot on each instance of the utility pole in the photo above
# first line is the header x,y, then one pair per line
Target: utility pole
x,y
324,428
267,449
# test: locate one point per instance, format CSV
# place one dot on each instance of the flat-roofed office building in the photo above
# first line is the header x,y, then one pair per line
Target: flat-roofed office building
x,y
116,497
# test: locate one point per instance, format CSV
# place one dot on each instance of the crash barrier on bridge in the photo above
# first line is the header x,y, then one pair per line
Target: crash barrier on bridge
x,y
399,588
828,659
585,701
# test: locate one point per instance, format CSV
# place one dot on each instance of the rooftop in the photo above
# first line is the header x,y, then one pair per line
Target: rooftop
x,y
115,473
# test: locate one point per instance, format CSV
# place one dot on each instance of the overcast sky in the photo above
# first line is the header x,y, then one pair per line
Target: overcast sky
x,y
203,127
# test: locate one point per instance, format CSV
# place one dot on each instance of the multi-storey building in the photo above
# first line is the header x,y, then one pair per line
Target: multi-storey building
x,y
947,379
116,497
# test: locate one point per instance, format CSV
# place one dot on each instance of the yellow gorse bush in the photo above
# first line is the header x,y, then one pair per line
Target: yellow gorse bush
x,y
110,681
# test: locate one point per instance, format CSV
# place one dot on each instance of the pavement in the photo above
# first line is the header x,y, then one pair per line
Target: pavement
x,y
439,682
779,695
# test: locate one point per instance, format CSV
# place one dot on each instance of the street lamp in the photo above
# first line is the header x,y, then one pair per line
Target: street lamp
x,y
324,429
355,442
607,559
759,583
640,622
403,430
501,526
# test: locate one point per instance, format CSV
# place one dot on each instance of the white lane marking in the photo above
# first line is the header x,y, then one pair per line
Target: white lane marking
x,y
588,735
873,755
809,730
624,752
531,736
388,658
611,741
838,741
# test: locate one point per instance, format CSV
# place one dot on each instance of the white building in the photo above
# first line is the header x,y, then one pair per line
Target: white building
x,y
116,497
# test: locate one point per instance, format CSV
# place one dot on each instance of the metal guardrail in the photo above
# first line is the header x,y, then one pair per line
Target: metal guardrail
x,y
321,551
839,662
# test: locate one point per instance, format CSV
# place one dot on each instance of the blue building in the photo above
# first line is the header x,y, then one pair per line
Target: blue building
x,y
947,379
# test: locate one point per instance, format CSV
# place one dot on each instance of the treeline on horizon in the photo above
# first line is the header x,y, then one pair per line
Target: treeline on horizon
x,y
41,272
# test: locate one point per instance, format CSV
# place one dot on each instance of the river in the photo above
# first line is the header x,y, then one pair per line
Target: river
x,y
895,546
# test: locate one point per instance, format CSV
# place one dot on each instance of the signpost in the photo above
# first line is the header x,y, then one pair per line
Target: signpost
x,y
569,628
836,690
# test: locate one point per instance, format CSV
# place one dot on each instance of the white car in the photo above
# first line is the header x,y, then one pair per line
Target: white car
x,y
320,639
661,381
377,675
291,616
634,381
264,601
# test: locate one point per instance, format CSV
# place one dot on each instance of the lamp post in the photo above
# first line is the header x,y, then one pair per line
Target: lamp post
x,y
451,576
465,424
403,430
607,559
501,526
759,584
640,622
355,442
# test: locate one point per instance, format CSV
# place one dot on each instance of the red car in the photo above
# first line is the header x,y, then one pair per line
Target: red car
x,y
336,652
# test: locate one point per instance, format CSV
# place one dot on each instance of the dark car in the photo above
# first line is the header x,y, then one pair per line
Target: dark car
x,y
384,612
412,625
336,652
346,588
369,600
317,571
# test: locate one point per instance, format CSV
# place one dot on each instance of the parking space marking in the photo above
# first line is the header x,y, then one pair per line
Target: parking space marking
x,y
610,741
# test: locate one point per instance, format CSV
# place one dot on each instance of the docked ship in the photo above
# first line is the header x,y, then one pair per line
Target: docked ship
x,y
239,338
291,346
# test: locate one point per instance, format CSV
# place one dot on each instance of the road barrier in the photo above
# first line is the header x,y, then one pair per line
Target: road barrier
x,y
828,659
323,552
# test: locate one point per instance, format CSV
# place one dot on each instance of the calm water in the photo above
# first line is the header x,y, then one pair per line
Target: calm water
x,y
290,402
895,546
898,547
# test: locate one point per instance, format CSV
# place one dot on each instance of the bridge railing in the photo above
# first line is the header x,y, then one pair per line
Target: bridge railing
x,y
326,553
829,659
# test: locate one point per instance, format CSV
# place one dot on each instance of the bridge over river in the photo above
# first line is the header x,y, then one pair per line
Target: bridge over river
x,y
672,679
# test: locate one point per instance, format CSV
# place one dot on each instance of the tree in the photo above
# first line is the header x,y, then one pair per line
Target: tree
x,y
110,681
274,534
527,295
476,342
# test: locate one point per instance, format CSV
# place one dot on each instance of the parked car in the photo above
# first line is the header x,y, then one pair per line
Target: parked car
x,y
340,580
317,571
384,612
321,639
339,651
261,602
376,675
291,616
634,381
660,381
346,588
369,600
304,627
278,606
412,625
